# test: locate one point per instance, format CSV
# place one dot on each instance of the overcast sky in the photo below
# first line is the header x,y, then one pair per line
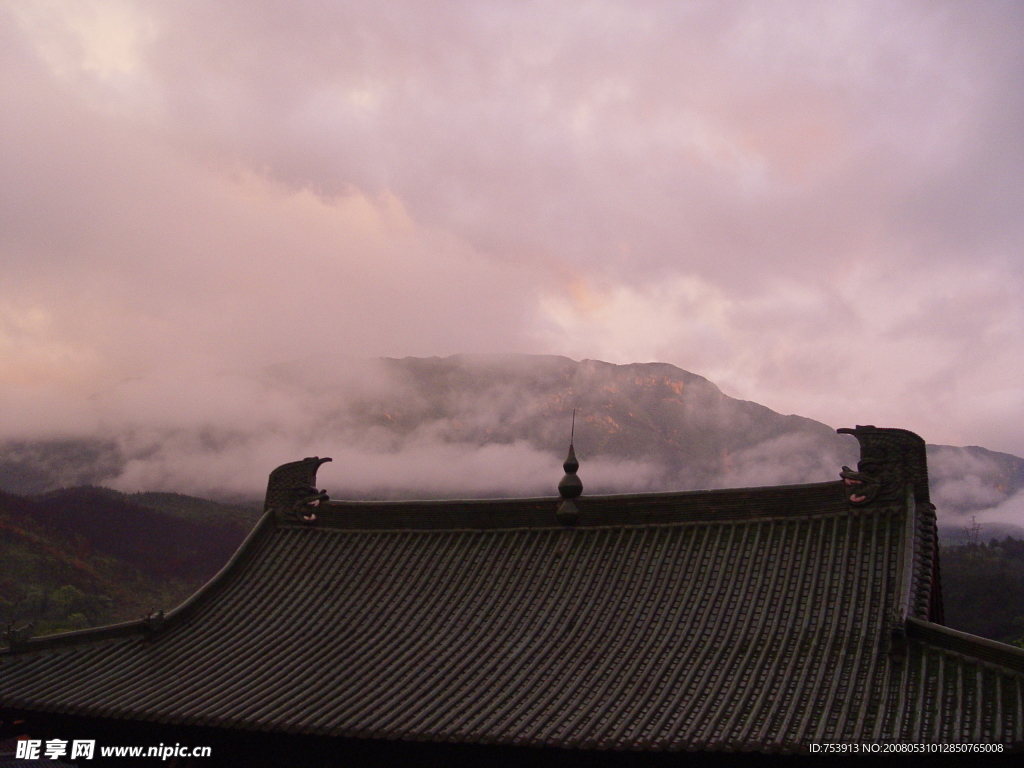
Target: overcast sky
x,y
818,206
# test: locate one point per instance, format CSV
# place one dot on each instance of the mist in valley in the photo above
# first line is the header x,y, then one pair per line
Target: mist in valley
x,y
473,426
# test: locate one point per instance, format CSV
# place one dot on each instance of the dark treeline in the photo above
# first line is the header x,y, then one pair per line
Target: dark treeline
x,y
983,589
89,556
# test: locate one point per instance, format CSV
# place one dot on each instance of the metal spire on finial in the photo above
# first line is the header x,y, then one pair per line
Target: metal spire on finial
x,y
571,486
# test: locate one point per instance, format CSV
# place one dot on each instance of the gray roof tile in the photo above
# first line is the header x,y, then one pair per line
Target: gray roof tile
x,y
742,619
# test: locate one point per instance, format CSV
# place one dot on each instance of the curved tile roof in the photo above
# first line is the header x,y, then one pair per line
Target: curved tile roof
x,y
752,619
745,619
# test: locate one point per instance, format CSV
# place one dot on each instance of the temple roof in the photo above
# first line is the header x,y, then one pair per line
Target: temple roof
x,y
764,618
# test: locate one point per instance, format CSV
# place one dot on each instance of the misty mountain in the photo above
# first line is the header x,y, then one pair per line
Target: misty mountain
x,y
669,427
485,425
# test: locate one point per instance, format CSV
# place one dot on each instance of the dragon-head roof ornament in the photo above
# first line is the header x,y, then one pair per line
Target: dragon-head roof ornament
x,y
889,460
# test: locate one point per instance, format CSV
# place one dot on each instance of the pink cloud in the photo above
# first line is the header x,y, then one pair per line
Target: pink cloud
x,y
192,188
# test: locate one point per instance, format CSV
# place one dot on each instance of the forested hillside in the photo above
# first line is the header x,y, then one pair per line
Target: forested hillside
x,y
89,556
983,589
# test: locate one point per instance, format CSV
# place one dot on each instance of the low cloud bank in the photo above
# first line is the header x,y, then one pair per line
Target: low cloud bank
x,y
974,486
419,469
473,425
464,426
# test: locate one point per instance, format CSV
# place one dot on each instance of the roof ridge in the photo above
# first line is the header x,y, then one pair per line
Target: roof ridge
x,y
728,504
599,496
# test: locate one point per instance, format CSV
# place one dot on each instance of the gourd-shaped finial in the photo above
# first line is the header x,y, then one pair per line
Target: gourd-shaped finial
x,y
571,486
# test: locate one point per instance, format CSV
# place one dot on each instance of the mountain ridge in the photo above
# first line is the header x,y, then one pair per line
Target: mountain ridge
x,y
484,425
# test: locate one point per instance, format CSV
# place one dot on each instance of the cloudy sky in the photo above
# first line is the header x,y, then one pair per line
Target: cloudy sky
x,y
818,206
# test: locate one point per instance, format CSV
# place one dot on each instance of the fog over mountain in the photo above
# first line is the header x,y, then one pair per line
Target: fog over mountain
x,y
470,425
